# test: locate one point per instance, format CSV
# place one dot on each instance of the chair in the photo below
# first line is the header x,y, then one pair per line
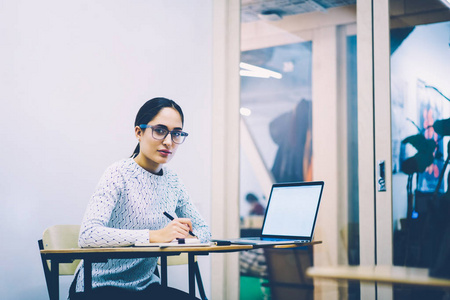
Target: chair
x,y
59,237
66,237
286,269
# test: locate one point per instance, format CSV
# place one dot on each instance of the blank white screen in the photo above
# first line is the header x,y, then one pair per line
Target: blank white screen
x,y
292,210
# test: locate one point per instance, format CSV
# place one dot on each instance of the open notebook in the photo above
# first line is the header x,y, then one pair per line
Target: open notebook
x,y
191,242
291,214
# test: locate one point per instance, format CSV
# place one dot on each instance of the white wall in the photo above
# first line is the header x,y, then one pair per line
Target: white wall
x,y
72,76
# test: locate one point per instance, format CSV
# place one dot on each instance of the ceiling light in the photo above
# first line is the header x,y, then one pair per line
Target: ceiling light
x,y
247,73
288,66
254,71
446,2
245,111
270,16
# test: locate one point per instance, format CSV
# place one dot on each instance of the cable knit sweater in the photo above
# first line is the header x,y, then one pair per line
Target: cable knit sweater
x,y
128,202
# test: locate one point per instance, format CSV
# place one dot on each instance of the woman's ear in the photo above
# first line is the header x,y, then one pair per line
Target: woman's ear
x,y
138,132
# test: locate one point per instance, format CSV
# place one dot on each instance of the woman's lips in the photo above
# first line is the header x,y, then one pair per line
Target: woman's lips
x,y
164,152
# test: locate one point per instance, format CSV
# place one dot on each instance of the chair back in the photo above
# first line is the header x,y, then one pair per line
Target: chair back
x,y
176,260
62,237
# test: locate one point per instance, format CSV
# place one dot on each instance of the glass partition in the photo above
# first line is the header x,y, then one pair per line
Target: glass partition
x,y
276,113
420,105
275,136
280,40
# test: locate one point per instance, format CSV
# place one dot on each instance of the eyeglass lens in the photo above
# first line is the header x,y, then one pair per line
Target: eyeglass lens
x,y
160,133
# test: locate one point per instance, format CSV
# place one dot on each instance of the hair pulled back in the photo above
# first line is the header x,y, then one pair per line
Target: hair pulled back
x,y
150,109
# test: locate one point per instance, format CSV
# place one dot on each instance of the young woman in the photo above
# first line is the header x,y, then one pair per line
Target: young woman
x,y
128,206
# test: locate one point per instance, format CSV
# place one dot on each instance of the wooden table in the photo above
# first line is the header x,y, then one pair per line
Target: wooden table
x,y
95,255
380,273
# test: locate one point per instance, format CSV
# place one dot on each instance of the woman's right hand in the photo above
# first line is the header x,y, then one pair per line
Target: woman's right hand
x,y
176,229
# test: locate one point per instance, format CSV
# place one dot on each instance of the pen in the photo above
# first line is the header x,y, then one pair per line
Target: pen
x,y
171,218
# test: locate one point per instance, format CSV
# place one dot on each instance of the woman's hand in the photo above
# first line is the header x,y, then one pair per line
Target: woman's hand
x,y
176,229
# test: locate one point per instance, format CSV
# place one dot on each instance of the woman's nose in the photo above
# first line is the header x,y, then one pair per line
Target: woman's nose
x,y
168,140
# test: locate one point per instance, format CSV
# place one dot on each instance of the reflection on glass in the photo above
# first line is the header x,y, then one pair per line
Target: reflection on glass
x,y
276,115
277,112
420,91
352,102
276,134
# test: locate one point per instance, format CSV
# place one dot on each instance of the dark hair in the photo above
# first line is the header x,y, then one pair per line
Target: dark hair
x,y
251,198
150,109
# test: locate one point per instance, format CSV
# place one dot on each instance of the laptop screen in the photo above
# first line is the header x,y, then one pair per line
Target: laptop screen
x,y
292,209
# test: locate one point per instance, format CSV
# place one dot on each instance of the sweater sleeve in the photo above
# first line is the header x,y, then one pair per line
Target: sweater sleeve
x,y
186,209
95,231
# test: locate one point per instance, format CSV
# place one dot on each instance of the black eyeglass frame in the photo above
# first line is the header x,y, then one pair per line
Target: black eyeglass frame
x,y
173,133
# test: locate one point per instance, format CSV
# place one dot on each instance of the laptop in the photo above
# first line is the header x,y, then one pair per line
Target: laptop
x,y
290,216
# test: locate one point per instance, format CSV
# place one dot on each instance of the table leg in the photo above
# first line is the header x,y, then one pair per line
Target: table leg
x,y
191,266
87,276
54,279
199,281
163,270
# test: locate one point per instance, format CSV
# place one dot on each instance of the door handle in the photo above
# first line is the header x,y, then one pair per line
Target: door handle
x,y
381,176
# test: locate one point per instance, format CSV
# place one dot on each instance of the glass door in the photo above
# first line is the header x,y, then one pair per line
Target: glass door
x,y
404,101
420,126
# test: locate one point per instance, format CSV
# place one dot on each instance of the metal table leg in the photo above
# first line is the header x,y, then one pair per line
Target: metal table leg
x,y
163,261
191,265
199,282
54,279
87,276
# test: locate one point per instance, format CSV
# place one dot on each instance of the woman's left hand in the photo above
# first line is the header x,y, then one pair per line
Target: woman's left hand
x,y
176,229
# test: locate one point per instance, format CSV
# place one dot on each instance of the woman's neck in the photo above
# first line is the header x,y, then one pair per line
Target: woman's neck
x,y
148,165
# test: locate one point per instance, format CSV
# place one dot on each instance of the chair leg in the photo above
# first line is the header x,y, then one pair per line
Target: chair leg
x,y
46,269
199,282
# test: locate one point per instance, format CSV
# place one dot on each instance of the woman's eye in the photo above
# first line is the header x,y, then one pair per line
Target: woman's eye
x,y
176,133
160,131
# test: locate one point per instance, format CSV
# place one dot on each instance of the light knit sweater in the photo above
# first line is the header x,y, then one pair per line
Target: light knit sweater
x,y
128,202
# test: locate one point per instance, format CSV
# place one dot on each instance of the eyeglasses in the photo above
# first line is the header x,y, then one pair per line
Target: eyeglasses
x,y
160,133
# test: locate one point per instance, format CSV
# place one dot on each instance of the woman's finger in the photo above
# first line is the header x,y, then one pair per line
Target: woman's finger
x,y
186,221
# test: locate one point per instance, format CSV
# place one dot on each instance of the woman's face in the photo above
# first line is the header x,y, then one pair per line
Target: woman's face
x,y
153,153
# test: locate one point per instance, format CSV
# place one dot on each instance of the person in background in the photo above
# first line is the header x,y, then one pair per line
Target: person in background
x,y
128,205
256,208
